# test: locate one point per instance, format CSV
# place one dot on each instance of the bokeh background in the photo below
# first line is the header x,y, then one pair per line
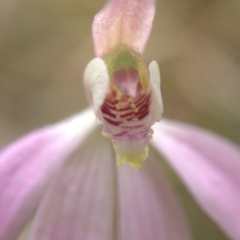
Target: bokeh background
x,y
45,46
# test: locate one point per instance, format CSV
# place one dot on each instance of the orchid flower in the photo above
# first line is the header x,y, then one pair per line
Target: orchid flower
x,y
63,178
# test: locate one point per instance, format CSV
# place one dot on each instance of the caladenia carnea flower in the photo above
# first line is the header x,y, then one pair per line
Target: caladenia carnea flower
x,y
126,98
124,93
63,180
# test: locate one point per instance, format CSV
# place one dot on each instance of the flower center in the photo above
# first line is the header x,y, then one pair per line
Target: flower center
x,y
126,106
127,98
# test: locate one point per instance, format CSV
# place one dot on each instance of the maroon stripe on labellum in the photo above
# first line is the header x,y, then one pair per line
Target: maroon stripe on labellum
x,y
133,127
111,102
143,115
109,106
129,111
108,112
112,122
143,108
142,101
128,114
114,107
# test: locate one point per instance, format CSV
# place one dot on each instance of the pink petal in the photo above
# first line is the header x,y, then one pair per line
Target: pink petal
x,y
123,21
209,165
149,208
77,204
27,164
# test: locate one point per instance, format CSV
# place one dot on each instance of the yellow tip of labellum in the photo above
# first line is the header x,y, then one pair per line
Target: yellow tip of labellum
x,y
135,159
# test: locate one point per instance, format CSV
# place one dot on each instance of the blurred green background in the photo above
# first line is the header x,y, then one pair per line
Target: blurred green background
x,y
45,46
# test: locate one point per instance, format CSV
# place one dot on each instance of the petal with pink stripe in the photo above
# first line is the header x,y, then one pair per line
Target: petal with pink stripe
x,y
123,21
209,165
78,202
149,209
28,164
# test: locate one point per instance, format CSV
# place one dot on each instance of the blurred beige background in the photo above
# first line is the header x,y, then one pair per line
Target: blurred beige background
x,y
45,46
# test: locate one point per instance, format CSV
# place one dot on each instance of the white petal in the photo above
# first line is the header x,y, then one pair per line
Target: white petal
x,y
156,106
96,82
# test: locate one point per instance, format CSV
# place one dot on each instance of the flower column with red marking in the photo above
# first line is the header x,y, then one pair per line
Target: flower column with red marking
x,y
126,98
